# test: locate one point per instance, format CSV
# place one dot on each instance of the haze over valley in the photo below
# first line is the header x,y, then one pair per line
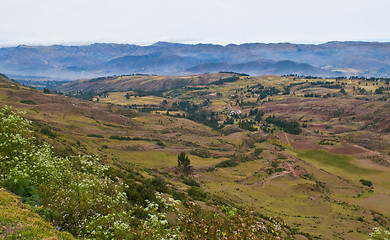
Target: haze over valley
x,y
57,62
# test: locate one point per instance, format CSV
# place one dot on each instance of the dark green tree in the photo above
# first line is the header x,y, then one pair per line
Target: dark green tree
x,y
183,162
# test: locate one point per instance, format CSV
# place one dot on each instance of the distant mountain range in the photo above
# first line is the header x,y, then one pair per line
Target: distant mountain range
x,y
57,62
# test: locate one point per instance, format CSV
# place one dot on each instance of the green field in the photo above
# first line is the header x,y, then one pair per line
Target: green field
x,y
334,161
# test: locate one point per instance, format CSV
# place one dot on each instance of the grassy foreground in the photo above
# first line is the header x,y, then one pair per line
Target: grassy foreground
x,y
19,221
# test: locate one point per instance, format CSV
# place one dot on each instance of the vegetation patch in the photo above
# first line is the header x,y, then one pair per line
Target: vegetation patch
x,y
328,142
95,135
191,182
48,132
342,162
29,102
226,163
225,80
203,153
197,193
288,126
18,221
365,182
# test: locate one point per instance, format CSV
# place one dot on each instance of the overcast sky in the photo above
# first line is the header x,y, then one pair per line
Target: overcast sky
x,y
144,22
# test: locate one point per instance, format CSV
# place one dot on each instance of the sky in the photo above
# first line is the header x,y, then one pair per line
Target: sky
x,y
144,22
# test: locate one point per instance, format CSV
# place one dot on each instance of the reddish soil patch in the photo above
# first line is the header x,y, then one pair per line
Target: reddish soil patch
x,y
347,149
306,144
317,127
338,130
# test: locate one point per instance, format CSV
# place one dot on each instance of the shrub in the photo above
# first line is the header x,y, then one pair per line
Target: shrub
x,y
121,138
226,163
258,151
203,153
48,132
366,182
95,135
196,193
191,182
28,102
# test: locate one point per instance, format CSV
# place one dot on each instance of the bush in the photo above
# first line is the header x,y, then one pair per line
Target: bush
x,y
69,191
191,182
258,151
366,182
28,102
121,138
48,132
95,135
226,163
203,153
197,193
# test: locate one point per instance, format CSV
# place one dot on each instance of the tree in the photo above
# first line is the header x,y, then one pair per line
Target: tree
x,y
379,90
46,91
128,96
183,162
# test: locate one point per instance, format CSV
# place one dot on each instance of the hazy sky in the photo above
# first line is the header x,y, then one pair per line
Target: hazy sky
x,y
207,21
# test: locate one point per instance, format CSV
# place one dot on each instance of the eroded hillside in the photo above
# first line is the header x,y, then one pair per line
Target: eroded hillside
x,y
314,152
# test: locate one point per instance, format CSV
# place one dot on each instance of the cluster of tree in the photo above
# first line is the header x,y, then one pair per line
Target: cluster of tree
x,y
288,126
372,79
301,76
226,80
312,95
229,121
267,127
288,88
331,85
239,74
195,113
381,89
82,95
257,113
247,125
263,93
146,107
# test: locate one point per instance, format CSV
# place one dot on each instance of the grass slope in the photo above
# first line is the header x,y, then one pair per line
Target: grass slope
x,y
18,221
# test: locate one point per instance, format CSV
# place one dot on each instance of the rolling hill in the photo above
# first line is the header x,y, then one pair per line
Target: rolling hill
x,y
292,147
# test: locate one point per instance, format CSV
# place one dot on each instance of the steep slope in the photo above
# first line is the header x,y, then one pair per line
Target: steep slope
x,y
18,221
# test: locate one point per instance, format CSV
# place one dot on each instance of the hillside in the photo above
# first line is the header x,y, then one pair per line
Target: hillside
x,y
143,83
314,152
57,62
18,221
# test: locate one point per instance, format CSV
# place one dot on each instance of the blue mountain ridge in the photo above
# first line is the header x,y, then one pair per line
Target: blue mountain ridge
x,y
369,59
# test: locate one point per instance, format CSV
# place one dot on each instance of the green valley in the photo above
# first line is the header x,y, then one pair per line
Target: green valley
x,y
273,157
